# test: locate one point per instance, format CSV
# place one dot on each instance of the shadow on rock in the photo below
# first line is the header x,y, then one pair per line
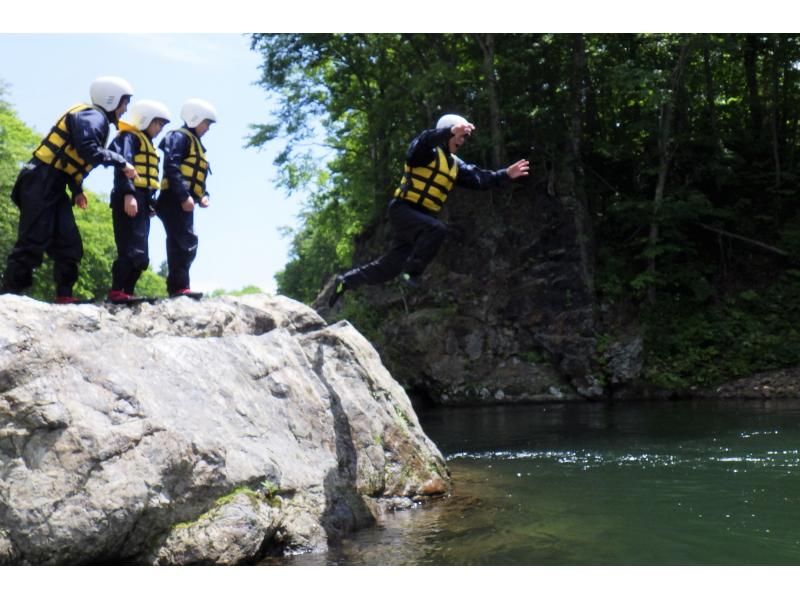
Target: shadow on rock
x,y
345,509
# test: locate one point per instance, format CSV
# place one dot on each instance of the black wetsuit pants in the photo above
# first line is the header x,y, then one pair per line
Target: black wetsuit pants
x,y
46,225
131,235
181,240
417,237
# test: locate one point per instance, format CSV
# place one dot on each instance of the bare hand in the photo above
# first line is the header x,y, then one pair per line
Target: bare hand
x,y
129,171
518,169
187,205
465,129
204,202
81,201
131,206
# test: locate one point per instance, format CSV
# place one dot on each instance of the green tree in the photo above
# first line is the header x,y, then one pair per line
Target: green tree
x,y
681,148
359,89
246,290
16,144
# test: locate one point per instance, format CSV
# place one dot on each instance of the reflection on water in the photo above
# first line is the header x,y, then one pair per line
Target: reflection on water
x,y
649,483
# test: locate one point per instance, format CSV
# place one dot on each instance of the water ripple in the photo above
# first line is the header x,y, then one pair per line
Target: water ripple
x,y
765,433
590,459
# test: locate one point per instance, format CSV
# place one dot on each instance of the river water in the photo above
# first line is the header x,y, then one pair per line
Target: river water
x,y
652,483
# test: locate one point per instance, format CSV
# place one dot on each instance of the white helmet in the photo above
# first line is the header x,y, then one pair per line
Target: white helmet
x,y
143,112
195,111
107,92
450,120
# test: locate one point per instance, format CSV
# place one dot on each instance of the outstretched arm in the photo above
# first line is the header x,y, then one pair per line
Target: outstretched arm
x,y
89,131
126,145
472,177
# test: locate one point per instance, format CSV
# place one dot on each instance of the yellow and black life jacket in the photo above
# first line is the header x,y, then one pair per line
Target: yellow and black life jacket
x,y
57,151
428,185
194,167
145,161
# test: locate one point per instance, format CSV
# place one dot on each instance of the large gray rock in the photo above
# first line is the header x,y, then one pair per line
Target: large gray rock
x,y
196,432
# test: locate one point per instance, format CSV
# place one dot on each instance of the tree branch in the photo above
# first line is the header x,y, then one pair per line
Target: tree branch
x,y
724,233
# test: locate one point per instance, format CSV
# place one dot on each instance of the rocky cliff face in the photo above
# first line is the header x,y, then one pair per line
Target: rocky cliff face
x,y
196,432
507,312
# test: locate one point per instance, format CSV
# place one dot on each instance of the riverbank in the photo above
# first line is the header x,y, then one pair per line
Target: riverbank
x,y
777,384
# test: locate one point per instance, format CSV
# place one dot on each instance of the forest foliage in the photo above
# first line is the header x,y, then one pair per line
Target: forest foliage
x,y
682,146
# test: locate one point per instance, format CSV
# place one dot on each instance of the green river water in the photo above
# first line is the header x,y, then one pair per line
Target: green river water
x,y
655,483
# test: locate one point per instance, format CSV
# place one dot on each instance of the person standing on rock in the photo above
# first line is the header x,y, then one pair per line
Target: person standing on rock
x,y
432,169
133,201
182,187
63,159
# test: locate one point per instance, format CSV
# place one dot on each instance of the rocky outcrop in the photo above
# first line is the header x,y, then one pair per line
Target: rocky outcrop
x,y
196,432
507,309
777,384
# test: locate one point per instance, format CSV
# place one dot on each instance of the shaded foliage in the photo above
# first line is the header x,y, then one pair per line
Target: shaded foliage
x,y
679,135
